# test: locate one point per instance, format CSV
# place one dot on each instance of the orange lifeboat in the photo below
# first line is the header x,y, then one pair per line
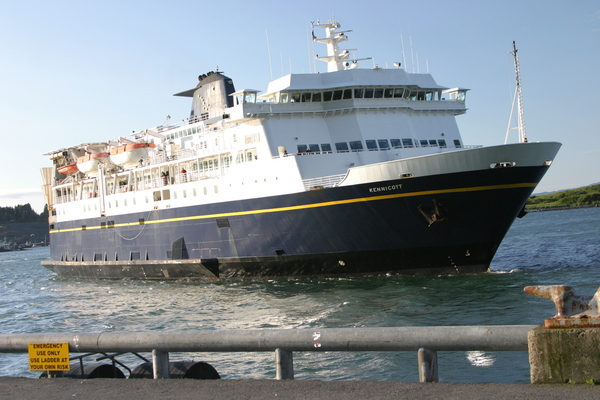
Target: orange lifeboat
x,y
68,169
88,164
129,155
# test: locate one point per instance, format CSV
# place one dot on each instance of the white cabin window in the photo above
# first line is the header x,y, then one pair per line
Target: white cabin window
x,y
371,144
250,98
341,147
383,144
407,142
355,145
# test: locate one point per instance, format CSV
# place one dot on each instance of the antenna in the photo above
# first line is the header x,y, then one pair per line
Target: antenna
x,y
403,53
519,99
269,50
412,55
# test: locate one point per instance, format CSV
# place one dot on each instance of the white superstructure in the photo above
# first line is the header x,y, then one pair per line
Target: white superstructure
x,y
306,131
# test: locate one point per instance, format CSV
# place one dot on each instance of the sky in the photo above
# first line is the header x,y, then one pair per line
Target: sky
x,y
76,71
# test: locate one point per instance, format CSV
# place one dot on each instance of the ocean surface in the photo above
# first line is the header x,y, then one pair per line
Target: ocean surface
x,y
556,247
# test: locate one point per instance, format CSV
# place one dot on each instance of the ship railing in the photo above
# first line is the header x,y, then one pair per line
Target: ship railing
x,y
323,182
162,182
425,340
183,154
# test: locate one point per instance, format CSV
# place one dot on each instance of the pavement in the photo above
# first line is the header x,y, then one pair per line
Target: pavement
x,y
165,389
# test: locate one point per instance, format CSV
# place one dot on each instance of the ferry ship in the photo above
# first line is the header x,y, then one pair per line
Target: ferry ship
x,y
351,172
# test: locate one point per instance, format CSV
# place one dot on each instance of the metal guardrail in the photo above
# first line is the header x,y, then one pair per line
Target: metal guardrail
x,y
426,340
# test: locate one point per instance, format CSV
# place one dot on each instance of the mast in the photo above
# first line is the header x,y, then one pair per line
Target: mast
x,y
337,59
519,98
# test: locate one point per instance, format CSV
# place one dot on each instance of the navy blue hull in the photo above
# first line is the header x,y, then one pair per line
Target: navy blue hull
x,y
441,224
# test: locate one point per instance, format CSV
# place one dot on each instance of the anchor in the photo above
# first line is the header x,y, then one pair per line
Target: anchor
x,y
434,215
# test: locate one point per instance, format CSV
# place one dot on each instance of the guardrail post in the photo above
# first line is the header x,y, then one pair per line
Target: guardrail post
x,y
428,366
284,363
160,364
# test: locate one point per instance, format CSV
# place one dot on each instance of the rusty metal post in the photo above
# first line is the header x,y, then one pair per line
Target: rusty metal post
x,y
572,311
428,365
284,363
565,349
160,364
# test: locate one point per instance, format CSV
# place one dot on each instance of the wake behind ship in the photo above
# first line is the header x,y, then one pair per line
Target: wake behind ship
x,y
351,172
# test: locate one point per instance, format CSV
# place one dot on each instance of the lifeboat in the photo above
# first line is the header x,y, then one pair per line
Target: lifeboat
x,y
130,154
68,169
89,163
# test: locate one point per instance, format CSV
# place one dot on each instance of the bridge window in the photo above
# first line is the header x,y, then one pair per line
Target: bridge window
x,y
398,93
396,143
326,147
358,93
316,97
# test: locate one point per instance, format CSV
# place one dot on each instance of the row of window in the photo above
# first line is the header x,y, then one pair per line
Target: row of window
x,y
364,93
373,145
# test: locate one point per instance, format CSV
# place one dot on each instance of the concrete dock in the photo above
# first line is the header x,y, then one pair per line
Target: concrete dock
x,y
164,389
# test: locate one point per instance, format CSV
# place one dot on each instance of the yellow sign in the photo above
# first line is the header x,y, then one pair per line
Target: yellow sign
x,y
48,356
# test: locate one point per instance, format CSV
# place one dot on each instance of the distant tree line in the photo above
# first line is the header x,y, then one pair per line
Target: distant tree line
x,y
585,196
22,213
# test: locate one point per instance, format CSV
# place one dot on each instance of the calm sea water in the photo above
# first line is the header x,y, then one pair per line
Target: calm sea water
x,y
559,247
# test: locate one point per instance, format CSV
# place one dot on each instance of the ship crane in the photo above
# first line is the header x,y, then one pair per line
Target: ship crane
x,y
519,99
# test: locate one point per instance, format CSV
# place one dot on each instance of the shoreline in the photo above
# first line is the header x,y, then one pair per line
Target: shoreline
x,y
561,208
